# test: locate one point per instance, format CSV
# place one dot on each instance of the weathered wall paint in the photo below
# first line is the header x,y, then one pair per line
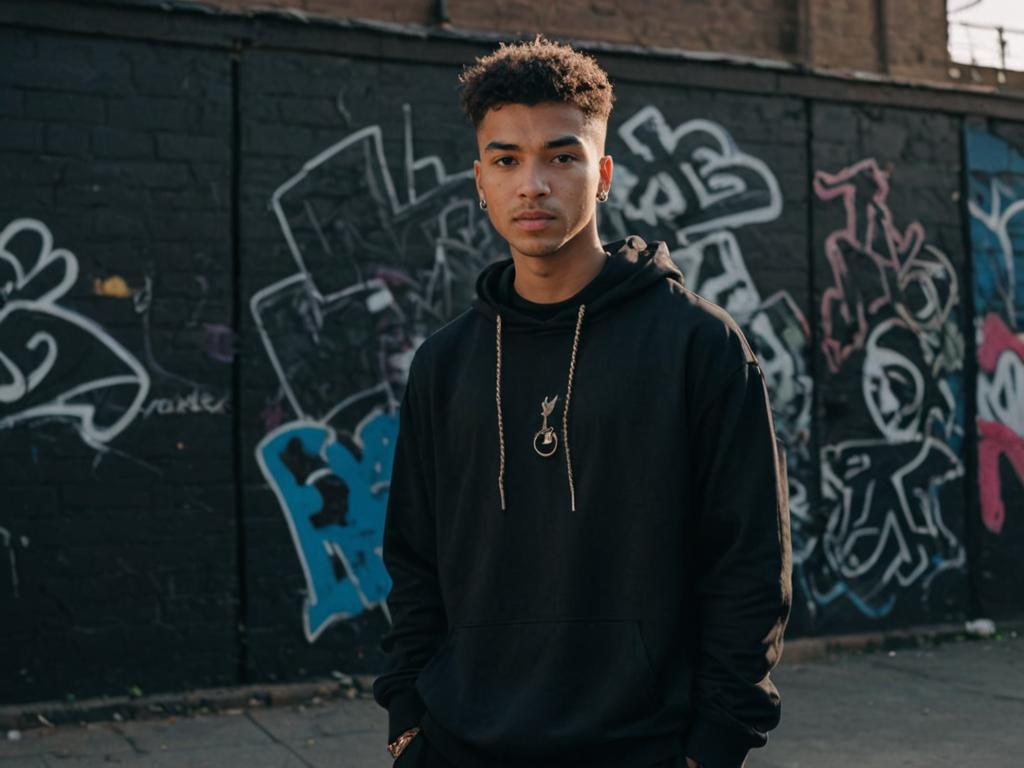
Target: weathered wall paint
x,y
361,211
889,540
118,537
995,165
132,385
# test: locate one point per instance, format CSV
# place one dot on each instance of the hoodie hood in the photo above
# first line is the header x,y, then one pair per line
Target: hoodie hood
x,y
635,266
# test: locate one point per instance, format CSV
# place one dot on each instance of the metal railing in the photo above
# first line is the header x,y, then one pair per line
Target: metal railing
x,y
987,46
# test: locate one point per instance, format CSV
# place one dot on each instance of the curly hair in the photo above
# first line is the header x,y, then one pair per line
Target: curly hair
x,y
533,72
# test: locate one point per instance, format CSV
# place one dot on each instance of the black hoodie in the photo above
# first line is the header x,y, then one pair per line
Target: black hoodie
x,y
611,590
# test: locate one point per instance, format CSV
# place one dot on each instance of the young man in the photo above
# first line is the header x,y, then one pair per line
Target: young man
x,y
587,527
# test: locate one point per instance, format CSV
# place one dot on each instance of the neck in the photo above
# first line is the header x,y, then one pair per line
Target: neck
x,y
562,274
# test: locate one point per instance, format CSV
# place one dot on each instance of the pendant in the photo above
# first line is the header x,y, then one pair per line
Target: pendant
x,y
545,442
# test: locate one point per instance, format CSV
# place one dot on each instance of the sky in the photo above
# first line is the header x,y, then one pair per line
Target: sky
x,y
983,44
1009,13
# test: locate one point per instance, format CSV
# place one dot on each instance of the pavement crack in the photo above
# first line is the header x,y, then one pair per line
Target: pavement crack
x,y
273,738
131,742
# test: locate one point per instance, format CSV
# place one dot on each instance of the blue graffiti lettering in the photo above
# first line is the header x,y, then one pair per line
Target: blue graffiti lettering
x,y
334,502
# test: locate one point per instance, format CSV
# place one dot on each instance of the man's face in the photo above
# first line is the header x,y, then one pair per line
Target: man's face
x,y
540,171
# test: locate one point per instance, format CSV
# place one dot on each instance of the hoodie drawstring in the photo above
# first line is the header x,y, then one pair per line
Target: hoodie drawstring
x,y
568,398
501,423
565,410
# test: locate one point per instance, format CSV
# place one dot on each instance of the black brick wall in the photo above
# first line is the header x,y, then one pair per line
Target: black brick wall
x,y
995,188
889,539
209,534
123,558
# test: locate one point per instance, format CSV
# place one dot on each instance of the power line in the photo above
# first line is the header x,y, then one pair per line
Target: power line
x,y
970,4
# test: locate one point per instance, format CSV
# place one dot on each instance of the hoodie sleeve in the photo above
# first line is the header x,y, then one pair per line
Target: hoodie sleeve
x,y
418,619
742,576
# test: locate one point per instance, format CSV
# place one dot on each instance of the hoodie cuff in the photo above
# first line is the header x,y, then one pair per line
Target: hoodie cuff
x,y
716,746
404,712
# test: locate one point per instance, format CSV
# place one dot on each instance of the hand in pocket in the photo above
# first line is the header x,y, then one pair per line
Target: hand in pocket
x,y
411,754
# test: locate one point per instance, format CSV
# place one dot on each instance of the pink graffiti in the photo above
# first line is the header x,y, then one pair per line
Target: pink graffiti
x,y
996,339
1000,399
892,267
996,440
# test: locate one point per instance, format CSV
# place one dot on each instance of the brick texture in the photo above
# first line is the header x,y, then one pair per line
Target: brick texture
x,y
904,38
198,516
118,519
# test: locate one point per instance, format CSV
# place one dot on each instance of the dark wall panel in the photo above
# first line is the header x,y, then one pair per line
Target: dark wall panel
x,y
117,525
889,532
995,184
362,235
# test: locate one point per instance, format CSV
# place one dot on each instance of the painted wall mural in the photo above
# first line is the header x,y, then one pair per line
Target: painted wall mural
x,y
693,187
57,363
379,265
996,206
889,323
60,365
689,184
118,537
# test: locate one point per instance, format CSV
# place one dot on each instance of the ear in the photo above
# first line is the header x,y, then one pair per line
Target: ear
x,y
605,167
476,175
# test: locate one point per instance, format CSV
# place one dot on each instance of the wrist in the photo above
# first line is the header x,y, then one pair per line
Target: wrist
x,y
396,747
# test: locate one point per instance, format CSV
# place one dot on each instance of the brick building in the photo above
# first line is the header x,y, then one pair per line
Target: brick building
x,y
903,39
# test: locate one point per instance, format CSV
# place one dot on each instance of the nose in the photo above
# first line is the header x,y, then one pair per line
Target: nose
x,y
534,183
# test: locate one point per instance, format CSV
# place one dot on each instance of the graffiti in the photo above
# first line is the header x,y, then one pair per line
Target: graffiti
x,y
219,345
376,271
273,414
114,287
1000,385
11,557
57,364
885,522
220,342
888,320
997,213
877,268
995,442
693,176
1000,414
335,504
996,273
195,402
692,187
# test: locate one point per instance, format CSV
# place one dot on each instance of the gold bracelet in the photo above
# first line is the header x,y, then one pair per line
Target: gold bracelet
x,y
395,747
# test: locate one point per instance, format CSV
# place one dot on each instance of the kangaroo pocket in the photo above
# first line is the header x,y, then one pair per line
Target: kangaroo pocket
x,y
540,686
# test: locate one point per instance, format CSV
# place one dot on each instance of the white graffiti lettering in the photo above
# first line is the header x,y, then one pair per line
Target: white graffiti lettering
x,y
54,362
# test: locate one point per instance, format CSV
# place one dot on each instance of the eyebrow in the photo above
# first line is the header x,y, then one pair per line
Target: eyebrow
x,y
562,141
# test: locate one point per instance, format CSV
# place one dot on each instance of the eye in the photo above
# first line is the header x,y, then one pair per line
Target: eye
x,y
502,160
564,159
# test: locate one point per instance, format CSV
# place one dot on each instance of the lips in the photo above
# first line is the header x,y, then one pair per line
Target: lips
x,y
533,220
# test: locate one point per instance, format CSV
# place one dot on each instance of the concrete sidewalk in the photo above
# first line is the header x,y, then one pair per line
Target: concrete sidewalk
x,y
959,704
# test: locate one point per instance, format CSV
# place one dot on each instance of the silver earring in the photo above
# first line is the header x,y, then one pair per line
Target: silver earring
x,y
602,196
483,204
